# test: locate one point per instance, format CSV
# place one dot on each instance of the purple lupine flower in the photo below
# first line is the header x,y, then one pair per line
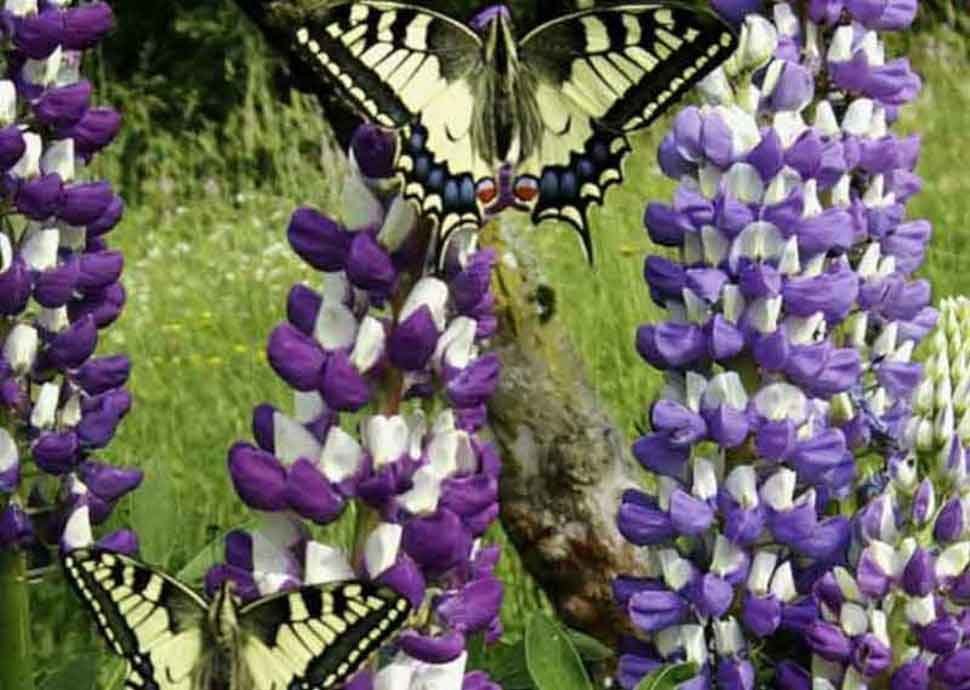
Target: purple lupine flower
x,y
788,349
62,402
381,339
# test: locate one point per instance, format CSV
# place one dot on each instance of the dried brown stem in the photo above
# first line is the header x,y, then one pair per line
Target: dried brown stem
x,y
566,464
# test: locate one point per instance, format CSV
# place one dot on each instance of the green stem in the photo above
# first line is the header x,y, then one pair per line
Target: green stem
x,y
17,669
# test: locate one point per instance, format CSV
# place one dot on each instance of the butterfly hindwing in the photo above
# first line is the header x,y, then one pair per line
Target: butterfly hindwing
x,y
599,75
316,637
147,617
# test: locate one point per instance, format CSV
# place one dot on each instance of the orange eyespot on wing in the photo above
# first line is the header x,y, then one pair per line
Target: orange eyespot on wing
x,y
487,192
526,189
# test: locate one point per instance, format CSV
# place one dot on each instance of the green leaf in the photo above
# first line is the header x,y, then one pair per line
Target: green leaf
x,y
551,656
589,648
212,553
200,563
506,665
668,677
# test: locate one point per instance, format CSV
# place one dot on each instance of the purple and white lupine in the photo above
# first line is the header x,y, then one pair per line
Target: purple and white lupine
x,y
903,600
59,285
793,317
405,349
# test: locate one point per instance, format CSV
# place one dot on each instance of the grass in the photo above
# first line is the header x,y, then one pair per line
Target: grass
x,y
208,270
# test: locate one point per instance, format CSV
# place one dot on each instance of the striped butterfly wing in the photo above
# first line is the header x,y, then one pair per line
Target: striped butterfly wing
x,y
317,637
416,71
147,617
599,75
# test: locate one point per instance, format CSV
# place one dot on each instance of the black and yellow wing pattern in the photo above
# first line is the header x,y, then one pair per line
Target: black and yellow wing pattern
x,y
600,75
316,637
564,97
313,638
416,71
151,619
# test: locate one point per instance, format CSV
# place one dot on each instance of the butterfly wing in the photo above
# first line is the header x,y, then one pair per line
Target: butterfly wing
x,y
150,619
317,637
598,75
415,71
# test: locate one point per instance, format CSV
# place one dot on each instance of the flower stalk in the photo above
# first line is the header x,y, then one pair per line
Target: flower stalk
x,y
17,669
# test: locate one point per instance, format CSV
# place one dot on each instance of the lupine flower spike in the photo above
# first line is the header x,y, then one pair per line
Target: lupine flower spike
x,y
59,287
793,318
377,335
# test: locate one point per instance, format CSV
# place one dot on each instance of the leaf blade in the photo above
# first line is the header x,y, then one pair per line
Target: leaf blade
x,y
552,658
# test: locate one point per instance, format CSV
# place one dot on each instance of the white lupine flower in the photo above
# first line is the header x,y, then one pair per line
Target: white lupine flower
x,y
336,326
715,87
362,210
431,293
725,389
745,134
8,102
858,117
387,438
789,125
370,344
6,253
20,348
456,346
77,531
759,240
676,570
840,47
405,673
20,8
715,245
292,441
325,563
307,406
422,498
59,158
783,583
778,491
762,568
744,183
398,224
756,45
382,547
763,314
39,248
53,320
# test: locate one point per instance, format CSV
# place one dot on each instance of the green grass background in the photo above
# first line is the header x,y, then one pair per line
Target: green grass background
x,y
208,269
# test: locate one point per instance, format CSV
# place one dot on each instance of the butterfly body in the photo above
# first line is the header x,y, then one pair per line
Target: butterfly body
x,y
314,638
487,120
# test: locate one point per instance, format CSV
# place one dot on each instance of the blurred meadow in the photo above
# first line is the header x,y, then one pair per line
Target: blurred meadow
x,y
214,157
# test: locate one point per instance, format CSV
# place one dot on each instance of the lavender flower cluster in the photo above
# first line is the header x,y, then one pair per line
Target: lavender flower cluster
x,y
381,335
788,352
59,285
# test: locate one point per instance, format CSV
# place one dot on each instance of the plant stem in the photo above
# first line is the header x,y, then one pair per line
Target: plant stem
x,y
16,671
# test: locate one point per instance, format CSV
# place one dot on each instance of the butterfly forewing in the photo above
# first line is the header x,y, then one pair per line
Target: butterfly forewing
x,y
147,617
317,637
414,70
625,65
600,74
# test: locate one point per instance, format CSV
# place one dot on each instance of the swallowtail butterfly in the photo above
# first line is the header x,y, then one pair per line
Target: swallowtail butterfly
x,y
487,121
314,638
